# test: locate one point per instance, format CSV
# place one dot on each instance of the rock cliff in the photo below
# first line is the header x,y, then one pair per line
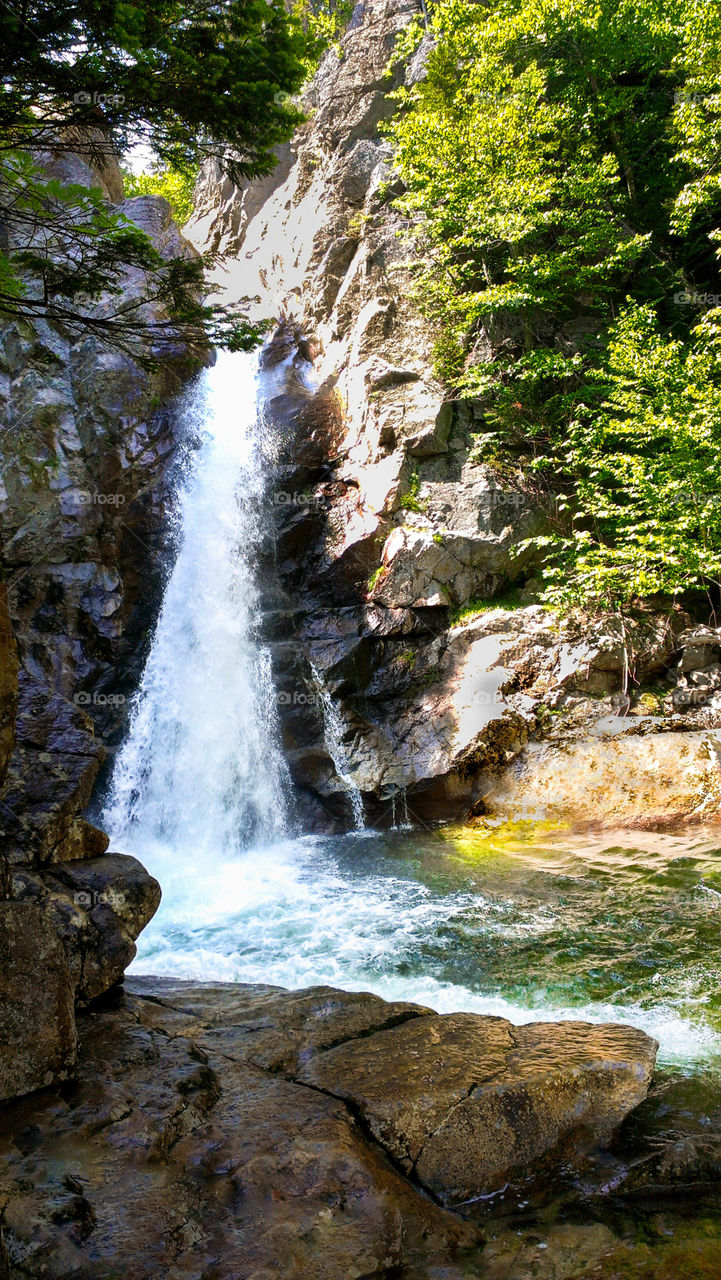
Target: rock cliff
x,y
256,1131
392,541
87,442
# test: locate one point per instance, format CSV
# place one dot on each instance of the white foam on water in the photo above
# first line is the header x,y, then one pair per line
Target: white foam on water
x,y
288,916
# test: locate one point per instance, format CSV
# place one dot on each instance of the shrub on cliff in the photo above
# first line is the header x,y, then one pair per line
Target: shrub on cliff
x,y
174,185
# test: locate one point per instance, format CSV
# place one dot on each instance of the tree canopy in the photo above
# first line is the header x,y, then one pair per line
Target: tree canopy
x,y
561,164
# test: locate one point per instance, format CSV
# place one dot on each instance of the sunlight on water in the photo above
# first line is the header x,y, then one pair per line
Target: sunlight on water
x,y
528,933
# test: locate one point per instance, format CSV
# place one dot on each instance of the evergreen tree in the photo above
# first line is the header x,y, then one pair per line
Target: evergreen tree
x,y
187,78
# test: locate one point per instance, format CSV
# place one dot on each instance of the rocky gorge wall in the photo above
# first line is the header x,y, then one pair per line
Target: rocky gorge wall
x,y
88,440
219,1128
391,541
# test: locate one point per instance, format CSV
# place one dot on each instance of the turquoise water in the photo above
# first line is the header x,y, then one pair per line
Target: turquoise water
x,y
528,925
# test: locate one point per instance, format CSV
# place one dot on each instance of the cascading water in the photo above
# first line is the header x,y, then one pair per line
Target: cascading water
x,y
333,728
201,770
529,929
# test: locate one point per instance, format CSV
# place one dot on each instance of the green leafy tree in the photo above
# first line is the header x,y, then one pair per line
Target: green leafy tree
x,y
173,185
697,120
561,166
326,20
645,467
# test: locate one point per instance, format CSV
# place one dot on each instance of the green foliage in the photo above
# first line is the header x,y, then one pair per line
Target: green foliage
x,y
188,80
410,500
561,165
189,77
646,465
325,20
376,576
430,677
508,602
77,252
651,701
173,185
697,116
357,225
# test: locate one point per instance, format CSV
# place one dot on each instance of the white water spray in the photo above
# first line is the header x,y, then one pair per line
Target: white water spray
x,y
200,773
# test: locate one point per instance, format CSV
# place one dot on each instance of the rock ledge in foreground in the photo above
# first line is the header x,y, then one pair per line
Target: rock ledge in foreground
x,y
466,1103
247,1131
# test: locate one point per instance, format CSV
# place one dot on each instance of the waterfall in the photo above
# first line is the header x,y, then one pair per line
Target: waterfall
x,y
333,733
454,921
200,770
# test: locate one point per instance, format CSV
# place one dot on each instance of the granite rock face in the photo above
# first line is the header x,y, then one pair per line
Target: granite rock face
x,y
466,1104
385,521
36,1002
220,1131
87,443
98,906
8,683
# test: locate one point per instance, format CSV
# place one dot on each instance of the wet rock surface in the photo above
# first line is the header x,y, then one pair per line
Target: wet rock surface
x,y
98,907
467,1104
36,1002
8,683
213,1132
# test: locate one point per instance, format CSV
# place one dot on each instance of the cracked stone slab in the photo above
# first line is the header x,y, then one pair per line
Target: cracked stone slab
x,y
176,1155
277,1030
227,1130
466,1103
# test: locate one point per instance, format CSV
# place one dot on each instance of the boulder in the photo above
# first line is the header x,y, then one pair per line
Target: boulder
x,y
700,647
98,906
467,1104
182,1155
228,1130
632,780
36,1002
